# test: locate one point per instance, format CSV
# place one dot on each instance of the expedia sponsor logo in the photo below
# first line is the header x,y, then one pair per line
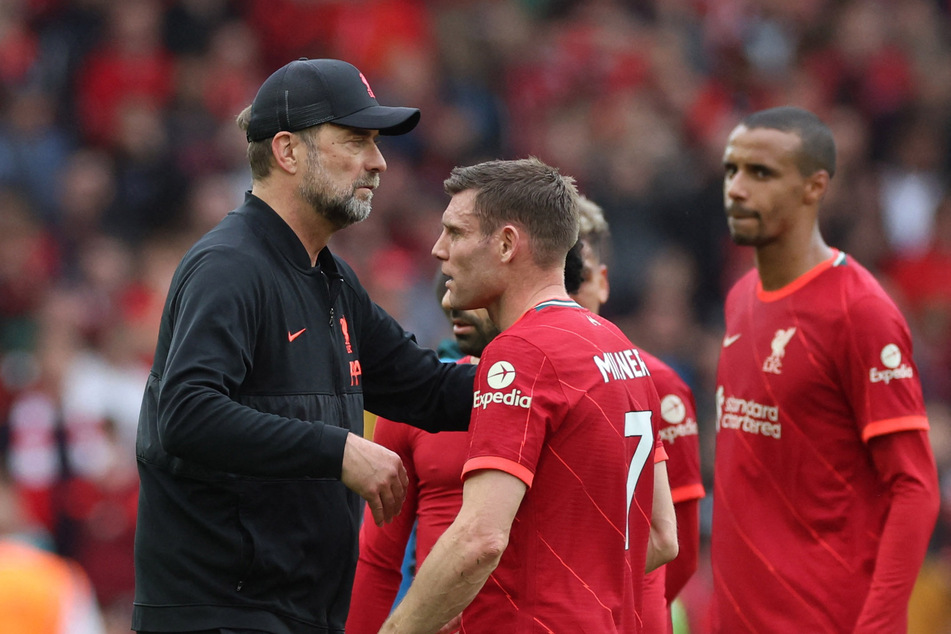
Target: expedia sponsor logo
x,y
500,375
894,368
674,412
671,433
884,376
747,416
514,398
672,409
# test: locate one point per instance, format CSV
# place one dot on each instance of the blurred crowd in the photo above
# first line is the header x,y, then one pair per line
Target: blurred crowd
x,y
118,148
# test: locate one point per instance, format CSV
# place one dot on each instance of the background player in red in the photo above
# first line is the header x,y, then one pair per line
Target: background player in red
x,y
554,529
589,286
433,495
825,488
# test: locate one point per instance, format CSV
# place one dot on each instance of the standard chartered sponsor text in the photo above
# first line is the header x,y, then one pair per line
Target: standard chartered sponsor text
x,y
750,417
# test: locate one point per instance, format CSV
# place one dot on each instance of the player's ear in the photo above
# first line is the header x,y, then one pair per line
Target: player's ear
x,y
604,287
816,187
509,241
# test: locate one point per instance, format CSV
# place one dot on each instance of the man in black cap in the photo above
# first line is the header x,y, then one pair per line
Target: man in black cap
x,y
251,455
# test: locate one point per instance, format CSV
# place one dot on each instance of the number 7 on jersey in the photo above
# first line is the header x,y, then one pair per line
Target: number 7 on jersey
x,y
636,424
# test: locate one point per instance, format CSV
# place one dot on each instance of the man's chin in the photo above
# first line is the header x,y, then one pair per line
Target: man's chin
x,y
342,218
744,240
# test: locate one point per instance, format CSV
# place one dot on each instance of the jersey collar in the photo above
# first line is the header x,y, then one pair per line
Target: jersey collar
x,y
838,259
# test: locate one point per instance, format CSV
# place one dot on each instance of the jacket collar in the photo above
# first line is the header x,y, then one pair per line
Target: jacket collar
x,y
283,238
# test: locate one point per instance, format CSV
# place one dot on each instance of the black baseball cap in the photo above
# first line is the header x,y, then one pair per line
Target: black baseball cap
x,y
308,92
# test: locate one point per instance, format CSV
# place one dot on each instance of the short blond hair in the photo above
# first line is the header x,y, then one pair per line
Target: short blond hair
x,y
594,230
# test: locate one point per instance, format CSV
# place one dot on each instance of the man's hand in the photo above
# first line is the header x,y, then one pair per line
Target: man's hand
x,y
376,474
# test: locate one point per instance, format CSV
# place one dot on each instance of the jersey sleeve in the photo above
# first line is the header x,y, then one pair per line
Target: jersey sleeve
x,y
683,567
517,399
905,463
680,432
880,377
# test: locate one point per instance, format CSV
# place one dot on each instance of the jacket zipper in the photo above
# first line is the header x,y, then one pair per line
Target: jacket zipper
x,y
333,352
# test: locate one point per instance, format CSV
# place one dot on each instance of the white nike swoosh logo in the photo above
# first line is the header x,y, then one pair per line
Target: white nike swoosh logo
x,y
728,341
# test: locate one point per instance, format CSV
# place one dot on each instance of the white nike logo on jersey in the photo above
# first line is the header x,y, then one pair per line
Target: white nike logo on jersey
x,y
728,341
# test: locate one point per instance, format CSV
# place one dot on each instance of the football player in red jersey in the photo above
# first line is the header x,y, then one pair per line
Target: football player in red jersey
x,y
555,527
825,486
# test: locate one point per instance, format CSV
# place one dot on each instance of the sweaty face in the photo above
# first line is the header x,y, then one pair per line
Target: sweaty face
x,y
762,186
472,329
342,169
467,256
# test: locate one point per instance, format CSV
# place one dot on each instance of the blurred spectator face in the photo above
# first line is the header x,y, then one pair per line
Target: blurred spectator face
x,y
32,112
136,25
87,188
140,132
210,200
27,258
18,234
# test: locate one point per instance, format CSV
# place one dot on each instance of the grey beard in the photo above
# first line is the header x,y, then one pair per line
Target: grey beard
x,y
340,211
345,212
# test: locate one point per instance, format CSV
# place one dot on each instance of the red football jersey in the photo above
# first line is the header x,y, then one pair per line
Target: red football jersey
x,y
433,496
807,375
678,430
564,402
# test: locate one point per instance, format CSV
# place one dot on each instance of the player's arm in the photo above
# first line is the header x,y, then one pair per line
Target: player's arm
x,y
463,557
680,570
662,546
905,463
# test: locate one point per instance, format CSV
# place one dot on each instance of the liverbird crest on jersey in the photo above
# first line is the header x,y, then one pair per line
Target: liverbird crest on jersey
x,y
773,363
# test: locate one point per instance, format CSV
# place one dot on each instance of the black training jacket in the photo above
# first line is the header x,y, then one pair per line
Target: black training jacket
x,y
263,366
